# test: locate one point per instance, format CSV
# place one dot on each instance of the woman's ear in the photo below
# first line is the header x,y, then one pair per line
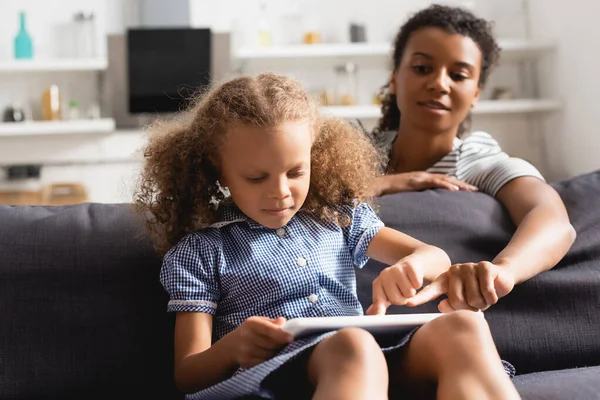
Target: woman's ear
x,y
476,97
392,84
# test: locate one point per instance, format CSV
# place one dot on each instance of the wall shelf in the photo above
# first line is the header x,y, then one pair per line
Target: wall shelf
x,y
325,50
53,65
41,128
512,49
486,107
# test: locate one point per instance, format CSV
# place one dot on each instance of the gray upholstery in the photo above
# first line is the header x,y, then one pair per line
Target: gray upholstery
x,y
580,383
82,314
549,322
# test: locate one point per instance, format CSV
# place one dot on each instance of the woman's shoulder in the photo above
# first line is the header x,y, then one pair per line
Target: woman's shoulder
x,y
479,139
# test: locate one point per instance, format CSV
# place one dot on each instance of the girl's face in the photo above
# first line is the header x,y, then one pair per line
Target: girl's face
x,y
437,81
267,171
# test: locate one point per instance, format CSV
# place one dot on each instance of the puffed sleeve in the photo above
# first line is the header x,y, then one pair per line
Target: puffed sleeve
x,y
189,274
363,227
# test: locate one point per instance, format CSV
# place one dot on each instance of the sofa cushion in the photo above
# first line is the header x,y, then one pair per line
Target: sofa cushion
x,y
572,384
83,314
547,323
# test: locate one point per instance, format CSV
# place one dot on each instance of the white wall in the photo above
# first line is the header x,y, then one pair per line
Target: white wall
x,y
111,180
574,142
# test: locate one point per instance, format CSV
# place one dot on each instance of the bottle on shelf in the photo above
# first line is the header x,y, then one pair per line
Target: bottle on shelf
x,y
23,42
85,34
346,84
264,29
51,108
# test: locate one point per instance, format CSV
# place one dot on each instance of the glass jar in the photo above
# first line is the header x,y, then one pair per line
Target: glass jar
x,y
346,92
85,35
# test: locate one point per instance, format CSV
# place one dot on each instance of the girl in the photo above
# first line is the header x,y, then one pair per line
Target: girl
x,y
442,59
259,203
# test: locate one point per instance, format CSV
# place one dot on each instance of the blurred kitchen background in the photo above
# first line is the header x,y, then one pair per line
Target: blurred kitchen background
x,y
81,79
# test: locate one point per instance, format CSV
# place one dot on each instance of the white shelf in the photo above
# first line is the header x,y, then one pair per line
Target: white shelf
x,y
315,51
517,49
53,65
518,106
512,49
41,128
487,107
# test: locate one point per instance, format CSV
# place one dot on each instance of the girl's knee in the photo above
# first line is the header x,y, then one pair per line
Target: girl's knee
x,y
353,342
455,331
462,322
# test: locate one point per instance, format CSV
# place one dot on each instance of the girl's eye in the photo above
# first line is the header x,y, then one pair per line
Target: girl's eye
x,y
256,180
421,69
295,174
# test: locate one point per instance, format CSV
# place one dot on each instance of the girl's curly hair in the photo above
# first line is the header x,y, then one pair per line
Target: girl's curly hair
x,y
453,20
179,186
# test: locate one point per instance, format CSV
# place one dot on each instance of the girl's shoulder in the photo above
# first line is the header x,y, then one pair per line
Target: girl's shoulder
x,y
205,241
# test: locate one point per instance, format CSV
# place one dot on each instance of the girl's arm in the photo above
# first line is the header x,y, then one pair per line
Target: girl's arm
x,y
390,246
199,365
412,262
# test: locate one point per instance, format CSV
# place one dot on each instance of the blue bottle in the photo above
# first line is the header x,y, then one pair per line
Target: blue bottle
x,y
23,44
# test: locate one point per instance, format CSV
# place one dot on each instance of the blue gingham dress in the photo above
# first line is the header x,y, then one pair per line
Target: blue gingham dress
x,y
238,268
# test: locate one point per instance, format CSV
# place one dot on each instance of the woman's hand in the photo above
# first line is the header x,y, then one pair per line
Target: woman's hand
x,y
419,180
396,284
470,286
259,339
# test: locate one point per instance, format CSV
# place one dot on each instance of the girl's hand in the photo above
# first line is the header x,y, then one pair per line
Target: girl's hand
x,y
420,180
259,339
396,284
470,286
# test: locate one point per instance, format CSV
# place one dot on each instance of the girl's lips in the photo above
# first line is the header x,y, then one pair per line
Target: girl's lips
x,y
276,211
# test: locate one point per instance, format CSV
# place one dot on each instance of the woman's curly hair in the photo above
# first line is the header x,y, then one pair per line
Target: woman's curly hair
x,y
179,187
453,20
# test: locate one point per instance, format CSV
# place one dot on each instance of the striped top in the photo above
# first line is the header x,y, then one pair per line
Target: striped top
x,y
478,160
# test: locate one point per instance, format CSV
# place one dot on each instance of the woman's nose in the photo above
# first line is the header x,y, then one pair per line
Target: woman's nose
x,y
439,82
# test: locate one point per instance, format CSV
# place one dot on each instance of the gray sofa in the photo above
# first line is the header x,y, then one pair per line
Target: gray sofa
x,y
82,314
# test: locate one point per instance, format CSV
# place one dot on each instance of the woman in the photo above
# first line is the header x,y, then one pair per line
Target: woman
x,y
442,59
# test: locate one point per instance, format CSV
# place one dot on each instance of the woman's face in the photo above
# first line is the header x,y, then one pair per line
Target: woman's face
x,y
437,81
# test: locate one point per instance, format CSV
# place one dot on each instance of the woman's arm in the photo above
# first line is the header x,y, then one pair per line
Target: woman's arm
x,y
199,365
417,180
544,233
543,236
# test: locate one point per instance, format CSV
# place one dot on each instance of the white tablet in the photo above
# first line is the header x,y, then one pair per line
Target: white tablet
x,y
376,324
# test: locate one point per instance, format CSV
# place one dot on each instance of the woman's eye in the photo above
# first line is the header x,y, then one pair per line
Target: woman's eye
x,y
458,77
421,69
